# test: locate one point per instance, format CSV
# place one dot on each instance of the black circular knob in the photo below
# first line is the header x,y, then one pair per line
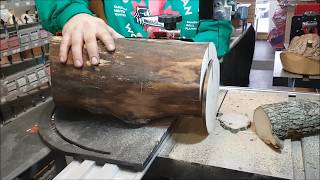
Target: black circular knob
x,y
170,21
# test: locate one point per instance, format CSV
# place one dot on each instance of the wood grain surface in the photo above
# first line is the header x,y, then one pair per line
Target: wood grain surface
x,y
141,81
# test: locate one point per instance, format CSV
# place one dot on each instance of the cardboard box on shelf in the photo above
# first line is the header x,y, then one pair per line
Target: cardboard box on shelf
x,y
27,54
37,51
16,58
4,60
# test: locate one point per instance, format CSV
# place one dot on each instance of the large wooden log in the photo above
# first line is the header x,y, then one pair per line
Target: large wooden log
x,y
302,55
298,64
141,81
287,120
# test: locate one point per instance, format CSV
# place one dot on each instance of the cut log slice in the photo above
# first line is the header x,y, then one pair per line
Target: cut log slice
x,y
264,129
234,122
287,120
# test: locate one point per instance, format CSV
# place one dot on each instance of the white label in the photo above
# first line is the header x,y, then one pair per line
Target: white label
x,y
28,3
34,84
12,92
32,77
41,73
44,80
3,100
11,83
11,88
22,81
35,44
5,53
2,6
17,4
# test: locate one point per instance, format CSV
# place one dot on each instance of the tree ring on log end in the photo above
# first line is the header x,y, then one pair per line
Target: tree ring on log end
x,y
265,133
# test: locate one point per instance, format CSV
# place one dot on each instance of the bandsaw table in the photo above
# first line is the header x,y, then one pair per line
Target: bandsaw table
x,y
189,154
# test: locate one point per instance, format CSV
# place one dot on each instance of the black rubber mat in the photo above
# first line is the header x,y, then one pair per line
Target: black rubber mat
x,y
104,139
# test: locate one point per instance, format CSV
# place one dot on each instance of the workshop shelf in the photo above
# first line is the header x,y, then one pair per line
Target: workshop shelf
x,y
16,3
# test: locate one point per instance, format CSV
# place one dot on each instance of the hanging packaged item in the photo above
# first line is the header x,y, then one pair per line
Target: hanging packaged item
x,y
277,34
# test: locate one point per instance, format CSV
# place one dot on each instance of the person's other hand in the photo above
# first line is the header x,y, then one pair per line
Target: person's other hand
x,y
85,29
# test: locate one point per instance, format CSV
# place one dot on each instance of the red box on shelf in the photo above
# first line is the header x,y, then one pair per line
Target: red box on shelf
x,y
3,44
13,42
302,8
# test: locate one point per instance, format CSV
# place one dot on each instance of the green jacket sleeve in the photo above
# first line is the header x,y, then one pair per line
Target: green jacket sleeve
x,y
55,13
218,32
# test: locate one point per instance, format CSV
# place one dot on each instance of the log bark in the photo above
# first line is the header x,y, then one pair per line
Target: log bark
x,y
287,120
141,81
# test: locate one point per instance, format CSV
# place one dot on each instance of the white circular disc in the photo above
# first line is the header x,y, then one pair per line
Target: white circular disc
x,y
210,90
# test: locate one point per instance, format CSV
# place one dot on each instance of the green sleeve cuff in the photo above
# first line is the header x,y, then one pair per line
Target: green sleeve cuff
x,y
70,11
218,32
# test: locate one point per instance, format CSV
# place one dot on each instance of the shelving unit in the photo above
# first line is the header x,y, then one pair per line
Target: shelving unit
x,y
16,3
13,86
39,43
29,73
38,58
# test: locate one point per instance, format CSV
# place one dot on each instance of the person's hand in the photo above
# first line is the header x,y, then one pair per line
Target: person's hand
x,y
85,29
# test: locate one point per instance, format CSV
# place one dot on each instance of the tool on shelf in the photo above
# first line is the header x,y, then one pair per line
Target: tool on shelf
x,y
169,29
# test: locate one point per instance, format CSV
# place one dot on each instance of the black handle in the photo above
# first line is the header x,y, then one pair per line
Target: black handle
x,y
170,21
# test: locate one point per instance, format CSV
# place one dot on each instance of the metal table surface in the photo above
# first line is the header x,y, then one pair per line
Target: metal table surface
x,y
21,149
189,153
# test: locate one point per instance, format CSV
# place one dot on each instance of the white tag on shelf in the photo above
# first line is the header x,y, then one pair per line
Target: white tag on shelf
x,y
32,77
44,80
3,100
41,73
22,81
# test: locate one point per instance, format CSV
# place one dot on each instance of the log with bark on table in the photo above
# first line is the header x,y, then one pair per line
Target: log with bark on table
x,y
287,120
143,80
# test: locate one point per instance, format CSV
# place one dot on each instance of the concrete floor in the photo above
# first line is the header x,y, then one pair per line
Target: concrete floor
x,y
263,51
262,66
